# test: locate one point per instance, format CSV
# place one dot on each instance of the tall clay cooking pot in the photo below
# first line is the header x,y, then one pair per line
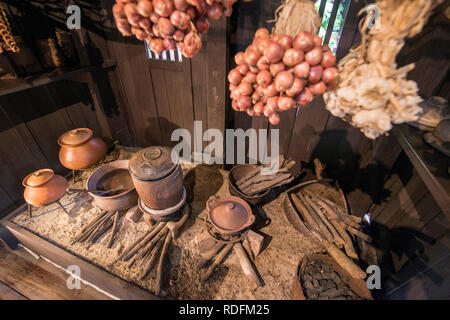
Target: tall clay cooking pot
x,y
43,187
157,178
80,150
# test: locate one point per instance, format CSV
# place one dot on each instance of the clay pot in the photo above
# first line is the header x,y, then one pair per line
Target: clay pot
x,y
113,175
238,172
157,177
80,150
43,187
230,215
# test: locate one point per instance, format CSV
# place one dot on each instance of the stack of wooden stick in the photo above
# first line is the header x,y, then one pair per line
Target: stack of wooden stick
x,y
332,226
98,226
152,247
255,182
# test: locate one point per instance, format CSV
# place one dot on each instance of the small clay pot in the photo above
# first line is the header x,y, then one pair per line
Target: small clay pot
x,y
43,187
80,150
229,215
158,177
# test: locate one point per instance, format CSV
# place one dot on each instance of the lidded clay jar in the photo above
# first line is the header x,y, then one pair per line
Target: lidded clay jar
x,y
230,215
157,176
43,187
80,150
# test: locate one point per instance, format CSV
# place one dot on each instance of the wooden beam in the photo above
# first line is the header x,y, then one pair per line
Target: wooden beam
x,y
106,283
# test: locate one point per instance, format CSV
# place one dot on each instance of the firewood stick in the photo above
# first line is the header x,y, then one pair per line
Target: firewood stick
x,y
148,247
321,226
259,187
248,248
304,211
162,258
219,258
337,238
113,231
260,178
348,243
88,230
334,210
345,262
249,175
359,234
147,238
247,265
154,256
90,224
152,242
135,243
210,256
94,231
101,231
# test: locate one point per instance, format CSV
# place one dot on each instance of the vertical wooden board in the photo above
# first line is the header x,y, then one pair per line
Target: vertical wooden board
x,y
309,124
285,127
46,131
216,70
162,103
437,227
199,76
7,204
82,116
179,96
137,84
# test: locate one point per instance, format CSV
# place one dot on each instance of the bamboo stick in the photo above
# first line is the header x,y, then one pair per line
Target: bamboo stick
x,y
138,240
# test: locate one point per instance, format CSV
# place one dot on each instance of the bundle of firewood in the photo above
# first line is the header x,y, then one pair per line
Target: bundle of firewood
x,y
256,182
98,226
332,226
152,247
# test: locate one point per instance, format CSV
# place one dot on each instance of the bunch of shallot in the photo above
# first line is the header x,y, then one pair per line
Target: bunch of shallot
x,y
278,73
169,24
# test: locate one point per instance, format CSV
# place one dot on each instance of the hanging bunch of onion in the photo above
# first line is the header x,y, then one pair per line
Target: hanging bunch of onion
x,y
278,73
169,24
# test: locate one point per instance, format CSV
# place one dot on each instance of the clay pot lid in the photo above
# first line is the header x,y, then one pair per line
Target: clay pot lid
x,y
230,214
153,163
75,137
38,178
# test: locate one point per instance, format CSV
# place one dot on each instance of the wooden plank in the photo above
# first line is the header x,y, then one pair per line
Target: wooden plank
x,y
32,281
110,285
7,293
309,124
161,94
46,131
350,34
430,165
216,48
82,116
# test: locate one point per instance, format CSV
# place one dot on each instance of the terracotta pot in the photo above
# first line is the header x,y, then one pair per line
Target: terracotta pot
x,y
80,150
111,176
229,215
157,177
43,187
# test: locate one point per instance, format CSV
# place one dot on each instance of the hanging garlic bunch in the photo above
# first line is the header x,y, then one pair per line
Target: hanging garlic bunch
x,y
372,93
